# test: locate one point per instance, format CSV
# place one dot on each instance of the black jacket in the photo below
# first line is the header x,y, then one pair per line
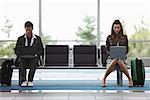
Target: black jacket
x,y
37,44
113,40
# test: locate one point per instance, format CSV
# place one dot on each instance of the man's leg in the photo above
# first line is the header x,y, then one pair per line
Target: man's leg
x,y
32,65
22,71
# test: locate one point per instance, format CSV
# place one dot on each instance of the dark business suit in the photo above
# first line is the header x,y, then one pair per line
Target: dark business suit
x,y
28,63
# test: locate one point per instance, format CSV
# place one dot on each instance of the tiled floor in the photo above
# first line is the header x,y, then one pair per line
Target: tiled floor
x,y
86,95
94,74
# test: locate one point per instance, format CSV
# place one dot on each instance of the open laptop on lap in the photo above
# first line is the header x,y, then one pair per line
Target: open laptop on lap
x,y
117,52
27,52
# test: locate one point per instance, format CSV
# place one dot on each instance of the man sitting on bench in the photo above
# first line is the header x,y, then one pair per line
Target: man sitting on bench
x,y
28,49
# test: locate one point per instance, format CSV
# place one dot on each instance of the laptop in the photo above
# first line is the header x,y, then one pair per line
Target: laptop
x,y
27,52
117,52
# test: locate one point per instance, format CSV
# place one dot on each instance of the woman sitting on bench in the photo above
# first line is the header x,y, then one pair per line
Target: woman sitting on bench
x,y
116,38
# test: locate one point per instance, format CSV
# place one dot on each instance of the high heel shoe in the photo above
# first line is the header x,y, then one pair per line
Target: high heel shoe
x,y
103,84
130,84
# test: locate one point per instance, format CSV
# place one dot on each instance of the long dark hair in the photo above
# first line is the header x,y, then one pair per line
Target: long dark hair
x,y
112,30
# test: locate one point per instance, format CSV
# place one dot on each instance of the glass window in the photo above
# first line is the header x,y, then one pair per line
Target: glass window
x,y
131,12
14,13
18,12
61,19
139,49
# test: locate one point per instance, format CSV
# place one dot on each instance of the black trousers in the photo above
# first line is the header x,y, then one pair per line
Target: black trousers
x,y
25,64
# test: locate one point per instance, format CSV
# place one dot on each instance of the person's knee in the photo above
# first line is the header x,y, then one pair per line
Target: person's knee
x,y
114,61
120,62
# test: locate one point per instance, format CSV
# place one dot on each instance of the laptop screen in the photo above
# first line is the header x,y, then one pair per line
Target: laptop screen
x,y
27,51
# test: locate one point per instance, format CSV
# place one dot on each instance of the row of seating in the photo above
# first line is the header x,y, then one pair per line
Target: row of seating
x,y
82,55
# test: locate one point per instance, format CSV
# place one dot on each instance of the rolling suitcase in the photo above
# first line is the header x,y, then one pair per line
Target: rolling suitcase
x,y
137,72
6,72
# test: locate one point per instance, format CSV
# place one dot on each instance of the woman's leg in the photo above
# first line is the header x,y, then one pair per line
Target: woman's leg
x,y
108,71
125,70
